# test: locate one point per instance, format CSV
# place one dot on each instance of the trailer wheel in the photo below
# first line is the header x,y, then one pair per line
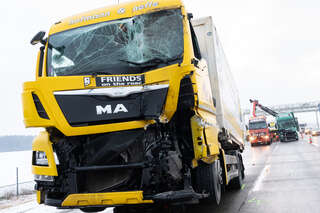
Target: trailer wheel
x,y
209,180
93,209
237,182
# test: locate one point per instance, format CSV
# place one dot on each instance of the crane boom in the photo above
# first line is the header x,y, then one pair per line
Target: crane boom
x,y
266,109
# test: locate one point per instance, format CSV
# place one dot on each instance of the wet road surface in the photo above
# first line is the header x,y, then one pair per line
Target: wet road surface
x,y
280,178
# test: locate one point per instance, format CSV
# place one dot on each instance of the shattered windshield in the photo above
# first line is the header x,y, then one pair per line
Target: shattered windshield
x,y
286,124
125,46
257,125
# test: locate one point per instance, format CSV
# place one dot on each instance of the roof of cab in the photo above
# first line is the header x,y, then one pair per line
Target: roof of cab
x,y
114,12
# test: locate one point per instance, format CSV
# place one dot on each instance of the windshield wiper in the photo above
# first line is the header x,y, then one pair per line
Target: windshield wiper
x,y
94,73
152,62
101,73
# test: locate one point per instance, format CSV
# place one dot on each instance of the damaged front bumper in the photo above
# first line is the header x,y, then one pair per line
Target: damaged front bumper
x,y
111,199
95,199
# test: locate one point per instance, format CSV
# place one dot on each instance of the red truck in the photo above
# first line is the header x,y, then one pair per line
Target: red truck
x,y
259,131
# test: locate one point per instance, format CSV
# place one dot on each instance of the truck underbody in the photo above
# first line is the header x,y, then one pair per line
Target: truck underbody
x,y
288,135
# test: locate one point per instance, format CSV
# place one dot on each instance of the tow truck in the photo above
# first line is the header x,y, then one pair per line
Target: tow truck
x,y
286,123
258,131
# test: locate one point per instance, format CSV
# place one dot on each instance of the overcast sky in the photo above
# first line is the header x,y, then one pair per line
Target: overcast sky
x,y
273,47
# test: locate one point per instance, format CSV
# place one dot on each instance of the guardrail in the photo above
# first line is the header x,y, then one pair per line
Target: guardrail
x,y
20,188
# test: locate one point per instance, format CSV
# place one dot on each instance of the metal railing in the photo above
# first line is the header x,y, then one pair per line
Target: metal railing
x,y
19,188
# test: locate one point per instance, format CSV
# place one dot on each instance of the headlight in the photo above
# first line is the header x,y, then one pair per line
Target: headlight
x,y
40,158
252,138
43,178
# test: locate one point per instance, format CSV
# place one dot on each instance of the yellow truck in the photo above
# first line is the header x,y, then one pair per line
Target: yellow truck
x,y
139,109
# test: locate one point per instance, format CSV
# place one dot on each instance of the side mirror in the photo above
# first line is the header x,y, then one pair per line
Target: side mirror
x,y
38,38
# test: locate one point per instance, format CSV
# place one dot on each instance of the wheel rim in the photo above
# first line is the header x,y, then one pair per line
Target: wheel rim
x,y
218,182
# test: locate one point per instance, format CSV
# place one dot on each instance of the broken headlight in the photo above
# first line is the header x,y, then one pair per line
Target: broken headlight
x,y
43,178
40,158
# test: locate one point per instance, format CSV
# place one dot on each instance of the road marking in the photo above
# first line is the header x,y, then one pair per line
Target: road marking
x,y
258,184
243,186
254,200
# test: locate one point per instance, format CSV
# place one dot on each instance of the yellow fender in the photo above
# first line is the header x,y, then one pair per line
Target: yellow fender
x,y
43,143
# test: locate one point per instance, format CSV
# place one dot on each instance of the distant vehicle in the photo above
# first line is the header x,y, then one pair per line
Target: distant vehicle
x,y
258,130
274,134
315,132
288,126
302,127
307,131
287,123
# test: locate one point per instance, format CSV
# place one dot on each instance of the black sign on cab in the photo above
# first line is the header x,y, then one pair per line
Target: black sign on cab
x,y
125,80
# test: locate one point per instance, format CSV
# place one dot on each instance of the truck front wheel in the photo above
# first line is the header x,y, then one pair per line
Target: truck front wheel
x,y
209,180
92,209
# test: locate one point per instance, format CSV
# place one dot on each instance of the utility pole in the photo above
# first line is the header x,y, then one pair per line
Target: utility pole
x,y
317,119
17,180
317,115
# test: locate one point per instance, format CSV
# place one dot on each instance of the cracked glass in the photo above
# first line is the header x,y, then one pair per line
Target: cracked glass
x,y
126,46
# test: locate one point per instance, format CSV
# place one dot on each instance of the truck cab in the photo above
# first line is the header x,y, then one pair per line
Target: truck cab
x,y
288,127
259,131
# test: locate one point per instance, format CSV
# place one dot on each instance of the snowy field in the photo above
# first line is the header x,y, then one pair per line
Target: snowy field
x,y
24,203
28,204
8,163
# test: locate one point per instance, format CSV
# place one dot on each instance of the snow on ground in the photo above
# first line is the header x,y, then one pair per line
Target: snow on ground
x,y
9,162
24,203
28,204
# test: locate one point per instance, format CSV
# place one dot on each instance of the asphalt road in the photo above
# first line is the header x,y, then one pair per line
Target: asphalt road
x,y
280,178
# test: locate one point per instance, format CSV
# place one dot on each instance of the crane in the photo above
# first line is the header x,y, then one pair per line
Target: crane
x,y
286,123
266,109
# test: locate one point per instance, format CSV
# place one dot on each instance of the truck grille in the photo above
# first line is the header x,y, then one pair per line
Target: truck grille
x,y
85,110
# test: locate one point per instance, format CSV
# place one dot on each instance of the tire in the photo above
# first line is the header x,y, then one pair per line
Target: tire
x,y
236,183
124,209
209,180
92,209
154,208
120,209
